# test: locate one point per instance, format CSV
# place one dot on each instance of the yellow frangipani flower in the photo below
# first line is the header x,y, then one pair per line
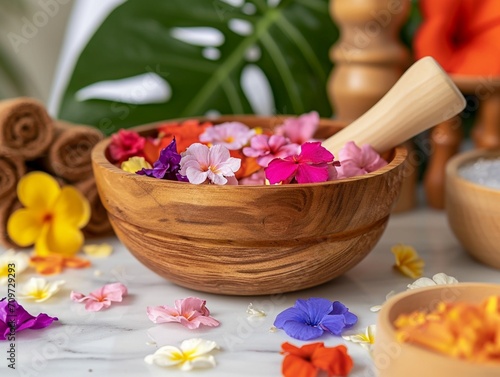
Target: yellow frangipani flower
x,y
365,340
408,261
134,164
103,250
52,217
193,353
39,289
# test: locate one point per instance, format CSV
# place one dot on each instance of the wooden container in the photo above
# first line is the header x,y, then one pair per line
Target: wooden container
x,y
473,210
248,240
394,359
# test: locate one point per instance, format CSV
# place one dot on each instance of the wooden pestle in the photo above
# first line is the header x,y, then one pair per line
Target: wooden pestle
x,y
423,97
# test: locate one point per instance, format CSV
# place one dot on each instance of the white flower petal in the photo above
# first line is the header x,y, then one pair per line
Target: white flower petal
x,y
197,347
443,279
165,356
199,363
39,289
422,282
18,262
255,313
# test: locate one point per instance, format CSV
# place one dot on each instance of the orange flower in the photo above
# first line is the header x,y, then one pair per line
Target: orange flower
x,y
249,165
54,263
185,133
307,360
460,330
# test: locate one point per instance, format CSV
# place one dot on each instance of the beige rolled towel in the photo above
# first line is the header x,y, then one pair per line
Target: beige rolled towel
x,y
7,206
68,156
25,127
99,224
12,168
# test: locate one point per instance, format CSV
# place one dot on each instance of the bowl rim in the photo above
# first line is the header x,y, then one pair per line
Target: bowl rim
x,y
385,323
461,159
99,158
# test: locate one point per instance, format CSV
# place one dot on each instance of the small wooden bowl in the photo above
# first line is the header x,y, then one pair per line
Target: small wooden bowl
x,y
395,359
473,210
248,240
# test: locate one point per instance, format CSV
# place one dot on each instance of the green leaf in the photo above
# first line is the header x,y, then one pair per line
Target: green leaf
x,y
292,41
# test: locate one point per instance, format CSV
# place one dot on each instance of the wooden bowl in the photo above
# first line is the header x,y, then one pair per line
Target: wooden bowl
x,y
248,240
473,210
395,359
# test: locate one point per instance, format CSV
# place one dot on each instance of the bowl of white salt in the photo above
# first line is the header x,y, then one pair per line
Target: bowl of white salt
x,y
473,203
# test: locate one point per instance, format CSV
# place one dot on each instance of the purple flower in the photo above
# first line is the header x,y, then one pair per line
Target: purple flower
x,y
266,148
167,166
313,164
309,319
14,318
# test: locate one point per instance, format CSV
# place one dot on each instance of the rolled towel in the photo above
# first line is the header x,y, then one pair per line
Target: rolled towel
x,y
12,168
69,154
7,206
25,127
99,224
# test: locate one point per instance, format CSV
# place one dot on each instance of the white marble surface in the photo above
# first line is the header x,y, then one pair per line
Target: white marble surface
x,y
114,342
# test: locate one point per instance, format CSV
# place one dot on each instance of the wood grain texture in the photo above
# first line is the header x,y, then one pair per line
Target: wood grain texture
x,y
473,210
423,97
395,359
248,240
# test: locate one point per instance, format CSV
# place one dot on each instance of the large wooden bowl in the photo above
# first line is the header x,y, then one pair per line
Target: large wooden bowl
x,y
248,240
473,210
395,359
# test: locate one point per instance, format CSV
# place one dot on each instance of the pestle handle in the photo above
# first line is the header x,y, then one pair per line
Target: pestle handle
x,y
423,97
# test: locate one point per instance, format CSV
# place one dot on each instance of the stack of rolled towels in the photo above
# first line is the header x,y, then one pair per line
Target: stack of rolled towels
x,y
31,140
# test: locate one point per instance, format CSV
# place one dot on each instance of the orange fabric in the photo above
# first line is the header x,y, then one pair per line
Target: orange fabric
x,y
462,35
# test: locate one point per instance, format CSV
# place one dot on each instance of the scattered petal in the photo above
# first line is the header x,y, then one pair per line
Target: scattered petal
x,y
309,358
408,261
102,250
54,264
12,262
254,313
190,312
193,354
14,318
365,340
101,298
39,289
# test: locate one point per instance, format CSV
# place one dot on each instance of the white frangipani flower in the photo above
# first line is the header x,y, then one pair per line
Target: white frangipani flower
x,y
193,353
39,289
12,263
438,279
365,340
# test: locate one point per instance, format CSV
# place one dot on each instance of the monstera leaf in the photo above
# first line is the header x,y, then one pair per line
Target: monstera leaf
x,y
211,56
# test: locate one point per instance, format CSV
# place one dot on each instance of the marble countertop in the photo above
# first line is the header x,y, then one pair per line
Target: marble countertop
x,y
114,342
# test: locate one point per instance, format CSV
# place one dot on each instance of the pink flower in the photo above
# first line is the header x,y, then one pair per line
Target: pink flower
x,y
126,144
313,164
233,135
102,297
266,148
355,161
256,179
213,165
190,312
301,129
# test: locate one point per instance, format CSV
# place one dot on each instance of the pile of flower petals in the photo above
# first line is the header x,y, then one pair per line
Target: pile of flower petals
x,y
459,329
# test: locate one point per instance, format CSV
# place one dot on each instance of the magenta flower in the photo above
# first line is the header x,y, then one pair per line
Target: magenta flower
x,y
167,165
126,144
358,161
313,164
190,312
309,319
14,318
266,148
233,135
101,298
299,130
202,164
